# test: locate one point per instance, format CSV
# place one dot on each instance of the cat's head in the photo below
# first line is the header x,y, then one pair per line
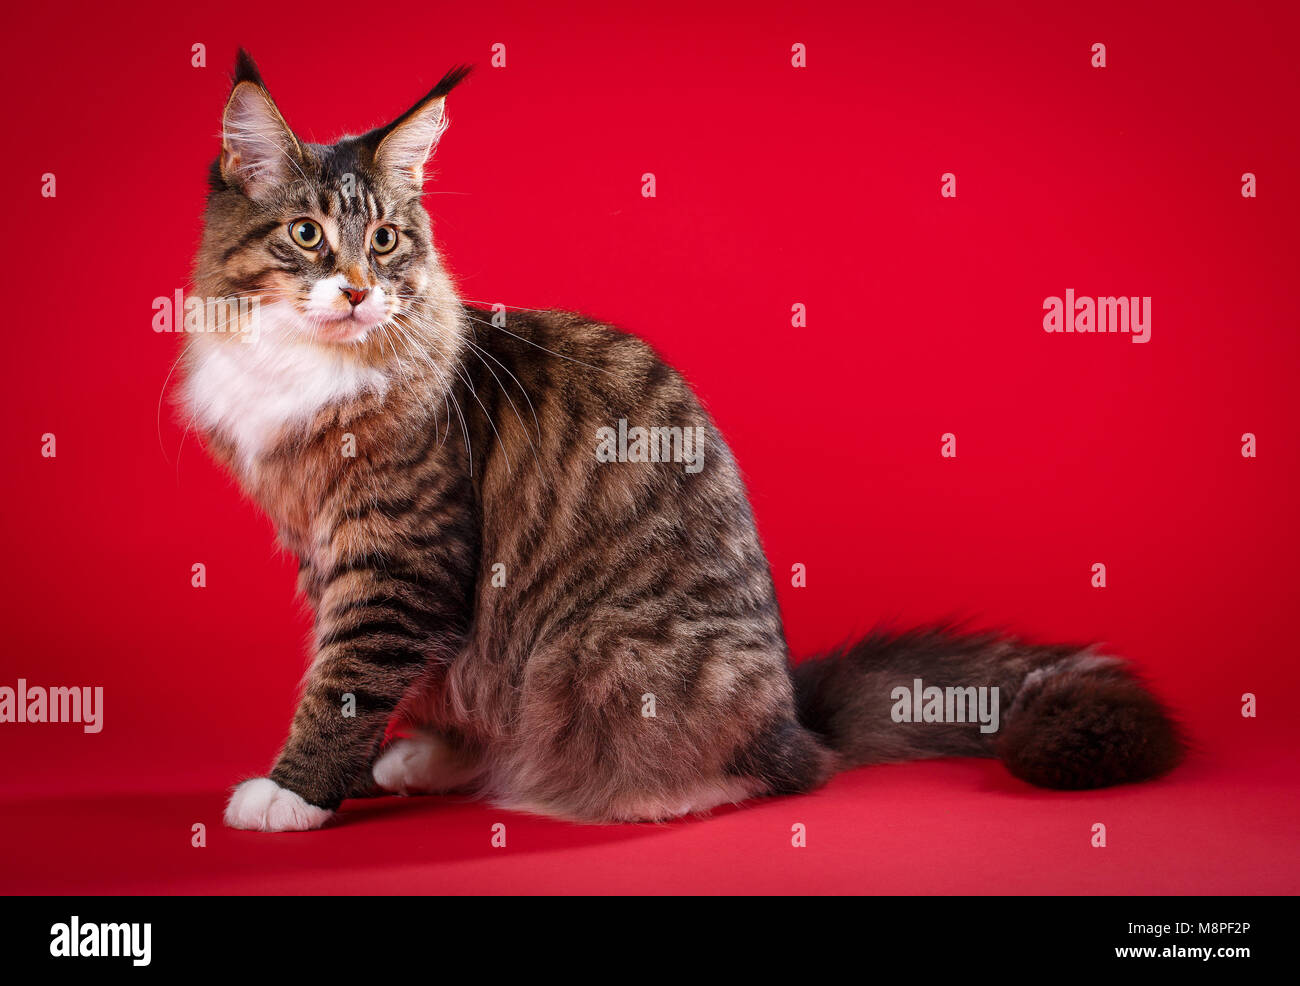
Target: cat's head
x,y
331,240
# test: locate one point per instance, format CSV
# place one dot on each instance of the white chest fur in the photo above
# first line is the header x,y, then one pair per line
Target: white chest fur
x,y
252,389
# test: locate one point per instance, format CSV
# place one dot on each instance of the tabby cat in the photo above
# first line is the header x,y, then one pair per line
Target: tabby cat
x,y
532,564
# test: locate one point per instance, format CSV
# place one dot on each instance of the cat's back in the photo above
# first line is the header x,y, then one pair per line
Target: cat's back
x,y
596,365
549,387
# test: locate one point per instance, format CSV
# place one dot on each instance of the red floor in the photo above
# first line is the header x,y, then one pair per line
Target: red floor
x,y
1217,826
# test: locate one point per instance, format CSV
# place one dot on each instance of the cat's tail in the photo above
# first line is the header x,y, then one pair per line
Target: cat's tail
x,y
1057,716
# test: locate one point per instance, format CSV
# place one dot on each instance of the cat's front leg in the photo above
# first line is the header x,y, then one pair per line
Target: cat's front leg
x,y
377,633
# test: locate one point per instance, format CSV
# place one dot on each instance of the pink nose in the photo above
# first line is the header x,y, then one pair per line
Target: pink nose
x,y
355,295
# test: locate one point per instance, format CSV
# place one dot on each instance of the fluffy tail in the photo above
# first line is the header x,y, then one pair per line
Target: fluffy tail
x,y
1057,716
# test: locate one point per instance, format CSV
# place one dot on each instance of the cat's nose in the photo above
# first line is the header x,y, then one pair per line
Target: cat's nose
x,y
355,295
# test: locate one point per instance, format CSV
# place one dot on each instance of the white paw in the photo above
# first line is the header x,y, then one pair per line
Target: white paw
x,y
405,766
421,764
264,806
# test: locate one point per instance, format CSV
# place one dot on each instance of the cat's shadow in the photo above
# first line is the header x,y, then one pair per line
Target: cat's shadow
x,y
147,842
452,812
131,842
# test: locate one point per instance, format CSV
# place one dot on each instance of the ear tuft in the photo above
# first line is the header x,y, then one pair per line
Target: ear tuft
x,y
259,152
246,69
406,143
454,77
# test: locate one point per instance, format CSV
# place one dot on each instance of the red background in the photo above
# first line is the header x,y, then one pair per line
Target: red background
x,y
775,185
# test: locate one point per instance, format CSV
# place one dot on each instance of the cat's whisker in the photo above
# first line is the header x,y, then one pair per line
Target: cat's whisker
x,y
490,304
500,442
395,323
480,352
598,369
459,369
530,342
163,393
385,335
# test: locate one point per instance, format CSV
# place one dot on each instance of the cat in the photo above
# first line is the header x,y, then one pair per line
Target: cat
x,y
585,636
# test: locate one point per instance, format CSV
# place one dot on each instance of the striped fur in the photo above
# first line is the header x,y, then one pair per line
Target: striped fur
x,y
480,577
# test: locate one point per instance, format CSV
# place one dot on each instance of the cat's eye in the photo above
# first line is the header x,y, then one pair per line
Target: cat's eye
x,y
383,239
306,233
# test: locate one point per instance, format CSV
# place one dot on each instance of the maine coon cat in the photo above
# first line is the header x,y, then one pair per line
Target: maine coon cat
x,y
530,546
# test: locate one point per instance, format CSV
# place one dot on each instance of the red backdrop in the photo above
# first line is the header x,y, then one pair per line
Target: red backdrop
x,y
776,185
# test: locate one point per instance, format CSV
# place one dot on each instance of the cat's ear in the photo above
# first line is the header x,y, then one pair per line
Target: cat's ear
x,y
258,150
405,144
